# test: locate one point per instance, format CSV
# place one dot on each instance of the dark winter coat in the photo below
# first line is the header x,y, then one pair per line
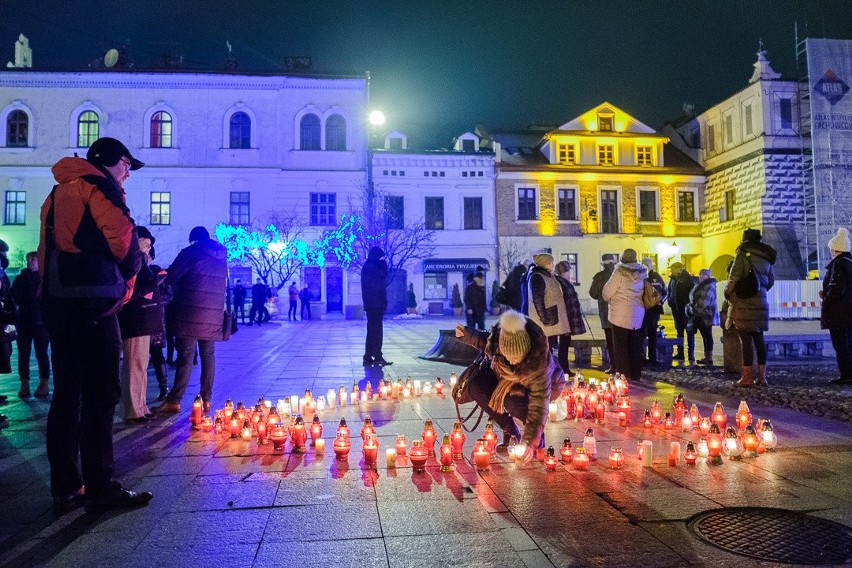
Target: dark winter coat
x,y
702,303
751,314
239,294
374,275
7,316
538,375
659,285
142,315
515,285
198,278
546,304
259,294
474,298
596,292
679,289
837,293
24,289
576,324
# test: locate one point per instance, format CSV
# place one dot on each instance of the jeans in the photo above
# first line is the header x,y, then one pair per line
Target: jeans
x,y
680,327
306,307
240,310
628,345
186,351
375,334
85,355
649,325
751,341
841,340
26,338
707,339
291,315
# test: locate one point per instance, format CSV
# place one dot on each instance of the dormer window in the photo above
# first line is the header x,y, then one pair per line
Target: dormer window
x,y
566,154
605,122
468,145
394,143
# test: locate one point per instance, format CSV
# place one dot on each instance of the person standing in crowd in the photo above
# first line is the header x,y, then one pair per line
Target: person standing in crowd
x,y
158,340
680,285
526,377
31,329
651,321
468,314
576,326
293,292
199,280
139,320
374,277
305,298
836,294
7,317
474,301
596,293
515,285
704,312
546,304
749,311
623,292
259,295
84,222
239,295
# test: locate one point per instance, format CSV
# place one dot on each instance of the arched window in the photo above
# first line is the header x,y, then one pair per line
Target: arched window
x,y
88,128
309,132
335,133
161,130
240,130
17,129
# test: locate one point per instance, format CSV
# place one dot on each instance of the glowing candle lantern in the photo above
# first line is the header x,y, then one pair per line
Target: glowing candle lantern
x,y
566,451
410,384
690,456
513,442
592,397
457,437
679,408
743,416
453,379
319,446
273,418
581,460
241,411
767,435
551,411
446,451
383,391
418,456
256,415
320,403
704,426
355,396
481,455
401,446
616,458
207,424
656,412
647,453
234,425
519,452
368,389
330,397
694,415
245,433
283,406
341,395
600,409
418,387
343,428
316,430
622,406
714,445
278,437
299,437
427,388
439,386
218,426
490,437
406,392
367,428
429,436
550,460
703,450
390,457
719,417
590,445
674,454
686,423
227,410
341,446
750,442
668,421
197,413
371,450
262,432
733,448
647,421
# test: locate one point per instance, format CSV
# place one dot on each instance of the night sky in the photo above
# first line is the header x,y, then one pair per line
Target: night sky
x,y
441,67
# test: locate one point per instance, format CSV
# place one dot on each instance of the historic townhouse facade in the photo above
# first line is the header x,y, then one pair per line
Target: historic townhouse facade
x,y
597,184
219,148
452,193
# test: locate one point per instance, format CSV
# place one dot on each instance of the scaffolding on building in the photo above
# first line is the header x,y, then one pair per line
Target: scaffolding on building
x,y
812,260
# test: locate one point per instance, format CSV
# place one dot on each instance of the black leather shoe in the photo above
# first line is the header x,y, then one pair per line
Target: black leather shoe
x,y
139,420
382,363
118,498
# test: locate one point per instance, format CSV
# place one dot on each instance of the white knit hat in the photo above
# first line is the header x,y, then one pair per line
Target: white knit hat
x,y
840,241
514,341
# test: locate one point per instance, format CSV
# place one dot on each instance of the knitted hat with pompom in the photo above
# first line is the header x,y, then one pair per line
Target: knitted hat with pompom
x,y
840,241
514,340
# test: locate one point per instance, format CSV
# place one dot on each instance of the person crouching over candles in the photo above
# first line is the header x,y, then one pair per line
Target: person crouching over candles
x,y
525,377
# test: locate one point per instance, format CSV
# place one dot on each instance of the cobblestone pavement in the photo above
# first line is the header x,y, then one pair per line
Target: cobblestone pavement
x,y
229,502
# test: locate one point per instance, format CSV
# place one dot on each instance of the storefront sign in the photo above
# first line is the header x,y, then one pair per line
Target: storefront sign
x,y
454,264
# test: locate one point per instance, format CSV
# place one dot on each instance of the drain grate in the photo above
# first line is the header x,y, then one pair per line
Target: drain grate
x,y
775,535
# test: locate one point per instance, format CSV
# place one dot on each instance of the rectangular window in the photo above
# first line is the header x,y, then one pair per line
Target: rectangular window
x,y
648,205
786,113
435,286
468,145
729,129
749,129
395,144
726,213
566,204
161,208
16,208
609,218
567,154
653,257
394,212
644,155
435,213
526,204
573,273
686,206
323,208
606,154
605,122
711,138
240,208
472,213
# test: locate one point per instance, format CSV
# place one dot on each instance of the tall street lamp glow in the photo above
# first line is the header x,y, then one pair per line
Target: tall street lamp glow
x,y
377,118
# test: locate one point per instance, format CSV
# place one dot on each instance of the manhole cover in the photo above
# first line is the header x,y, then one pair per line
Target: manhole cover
x,y
775,535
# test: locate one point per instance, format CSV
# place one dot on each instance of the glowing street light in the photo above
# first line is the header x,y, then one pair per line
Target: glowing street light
x,y
377,118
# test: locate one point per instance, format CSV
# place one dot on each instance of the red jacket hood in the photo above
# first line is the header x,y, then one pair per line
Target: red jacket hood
x,y
69,169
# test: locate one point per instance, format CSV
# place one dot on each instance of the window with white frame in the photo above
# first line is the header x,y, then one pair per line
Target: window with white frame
x,y
686,205
239,131
729,129
17,129
310,132
335,133
573,263
605,122
648,205
435,286
747,120
434,218
394,212
16,208
786,112
88,128
472,213
527,204
644,155
239,210
161,130
566,203
323,209
566,154
606,154
161,208
726,213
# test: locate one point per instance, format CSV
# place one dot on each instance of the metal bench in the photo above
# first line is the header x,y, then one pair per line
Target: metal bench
x,y
796,346
583,350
